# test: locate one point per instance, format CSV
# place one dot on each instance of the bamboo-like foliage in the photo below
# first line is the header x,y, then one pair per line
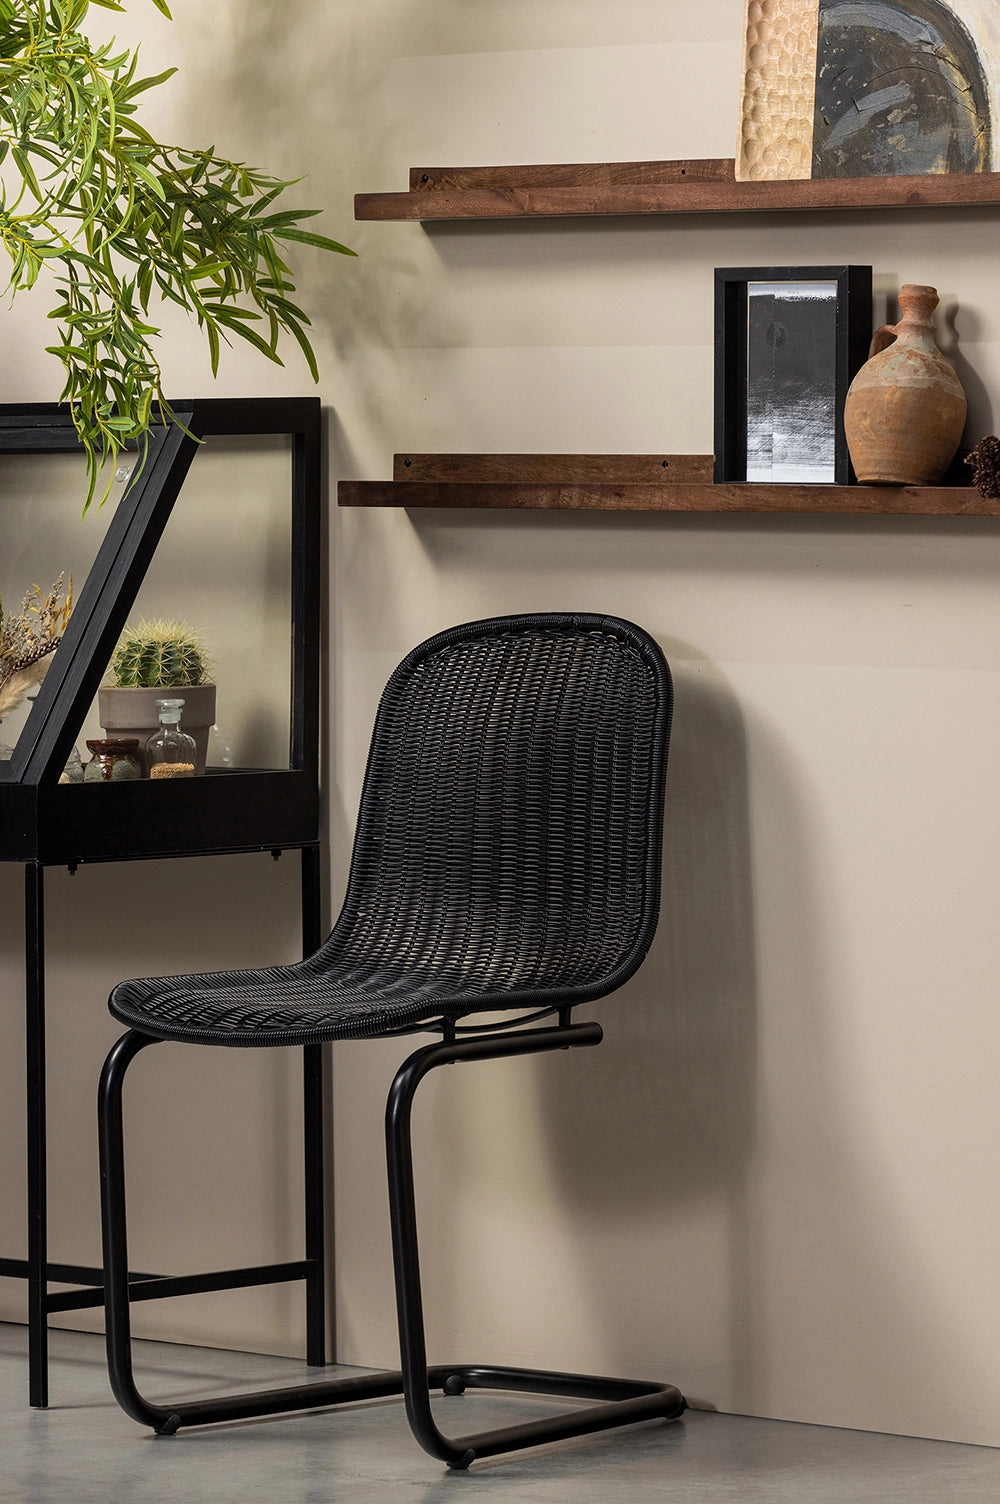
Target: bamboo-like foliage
x,y
120,221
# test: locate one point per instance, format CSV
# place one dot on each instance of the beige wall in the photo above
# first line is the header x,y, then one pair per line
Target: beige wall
x,y
774,1185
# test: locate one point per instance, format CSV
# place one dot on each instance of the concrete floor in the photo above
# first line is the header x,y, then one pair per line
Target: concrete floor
x,y
85,1449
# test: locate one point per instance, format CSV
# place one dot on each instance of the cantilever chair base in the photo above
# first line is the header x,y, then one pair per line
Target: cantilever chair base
x,y
620,1401
626,1402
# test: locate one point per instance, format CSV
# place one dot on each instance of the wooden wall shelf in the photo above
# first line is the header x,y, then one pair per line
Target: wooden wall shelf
x,y
698,186
634,483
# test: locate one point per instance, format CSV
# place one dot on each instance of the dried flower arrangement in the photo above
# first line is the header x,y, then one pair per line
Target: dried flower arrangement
x,y
28,640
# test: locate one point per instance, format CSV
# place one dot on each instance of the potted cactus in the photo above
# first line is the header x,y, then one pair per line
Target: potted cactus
x,y
154,660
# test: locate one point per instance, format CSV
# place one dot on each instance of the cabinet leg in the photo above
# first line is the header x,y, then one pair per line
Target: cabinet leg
x,y
34,998
314,1128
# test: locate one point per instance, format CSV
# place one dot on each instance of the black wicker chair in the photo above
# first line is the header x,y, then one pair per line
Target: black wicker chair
x,y
507,860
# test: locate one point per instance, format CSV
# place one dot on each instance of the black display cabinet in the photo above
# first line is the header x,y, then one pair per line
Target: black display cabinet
x,y
45,823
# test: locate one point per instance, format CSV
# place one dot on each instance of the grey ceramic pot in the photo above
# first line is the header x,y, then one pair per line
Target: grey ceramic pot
x,y
132,712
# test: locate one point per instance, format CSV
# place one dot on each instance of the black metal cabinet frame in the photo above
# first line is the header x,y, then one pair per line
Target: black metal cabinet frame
x,y
45,823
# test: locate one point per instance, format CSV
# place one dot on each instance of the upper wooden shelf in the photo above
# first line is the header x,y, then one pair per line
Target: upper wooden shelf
x,y
634,483
705,186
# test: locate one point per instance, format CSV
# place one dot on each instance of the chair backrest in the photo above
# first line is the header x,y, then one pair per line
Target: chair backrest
x,y
509,836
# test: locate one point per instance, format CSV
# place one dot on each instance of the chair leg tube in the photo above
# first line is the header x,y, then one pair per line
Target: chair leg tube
x,y
118,1324
406,1261
403,1214
630,1400
165,1419
314,1129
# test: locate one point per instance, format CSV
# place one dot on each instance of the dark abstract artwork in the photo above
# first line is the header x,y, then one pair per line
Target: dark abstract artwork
x,y
791,381
899,89
863,88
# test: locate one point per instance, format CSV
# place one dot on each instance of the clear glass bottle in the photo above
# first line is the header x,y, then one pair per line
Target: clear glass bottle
x,y
170,751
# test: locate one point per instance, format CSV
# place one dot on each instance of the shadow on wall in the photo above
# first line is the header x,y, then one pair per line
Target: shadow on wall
x,y
268,86
950,339
284,88
659,1121
638,1147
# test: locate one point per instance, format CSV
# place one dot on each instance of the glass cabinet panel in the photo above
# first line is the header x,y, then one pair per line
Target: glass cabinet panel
x,y
220,532
43,538
223,568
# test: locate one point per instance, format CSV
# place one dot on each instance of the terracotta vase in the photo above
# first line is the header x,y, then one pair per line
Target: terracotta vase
x,y
905,408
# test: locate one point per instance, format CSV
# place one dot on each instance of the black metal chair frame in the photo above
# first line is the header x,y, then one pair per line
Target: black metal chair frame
x,y
618,1402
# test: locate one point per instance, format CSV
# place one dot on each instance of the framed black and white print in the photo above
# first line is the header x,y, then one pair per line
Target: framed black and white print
x,y
788,341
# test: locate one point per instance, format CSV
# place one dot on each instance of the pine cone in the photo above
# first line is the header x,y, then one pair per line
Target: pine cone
x,y
985,462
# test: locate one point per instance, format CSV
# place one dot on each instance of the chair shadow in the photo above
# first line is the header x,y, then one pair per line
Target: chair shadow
x,y
656,1127
641,1145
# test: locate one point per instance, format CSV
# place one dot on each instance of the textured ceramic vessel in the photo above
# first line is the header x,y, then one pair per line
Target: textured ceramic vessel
x,y
905,408
112,760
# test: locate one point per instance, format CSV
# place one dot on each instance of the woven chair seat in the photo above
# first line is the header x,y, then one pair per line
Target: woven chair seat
x,y
293,1005
501,853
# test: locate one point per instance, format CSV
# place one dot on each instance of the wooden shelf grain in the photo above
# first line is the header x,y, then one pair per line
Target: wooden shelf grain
x,y
635,483
552,469
705,186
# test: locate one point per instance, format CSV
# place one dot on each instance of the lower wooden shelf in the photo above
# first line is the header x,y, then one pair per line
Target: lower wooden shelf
x,y
635,483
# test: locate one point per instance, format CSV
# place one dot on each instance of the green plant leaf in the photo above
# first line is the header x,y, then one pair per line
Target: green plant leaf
x,y
117,220
307,237
307,350
257,340
23,163
149,83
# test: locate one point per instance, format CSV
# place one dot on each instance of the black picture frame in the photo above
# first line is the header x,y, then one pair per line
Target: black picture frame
x,y
835,340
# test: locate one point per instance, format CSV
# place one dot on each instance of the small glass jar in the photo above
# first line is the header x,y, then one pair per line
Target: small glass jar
x,y
170,752
112,760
